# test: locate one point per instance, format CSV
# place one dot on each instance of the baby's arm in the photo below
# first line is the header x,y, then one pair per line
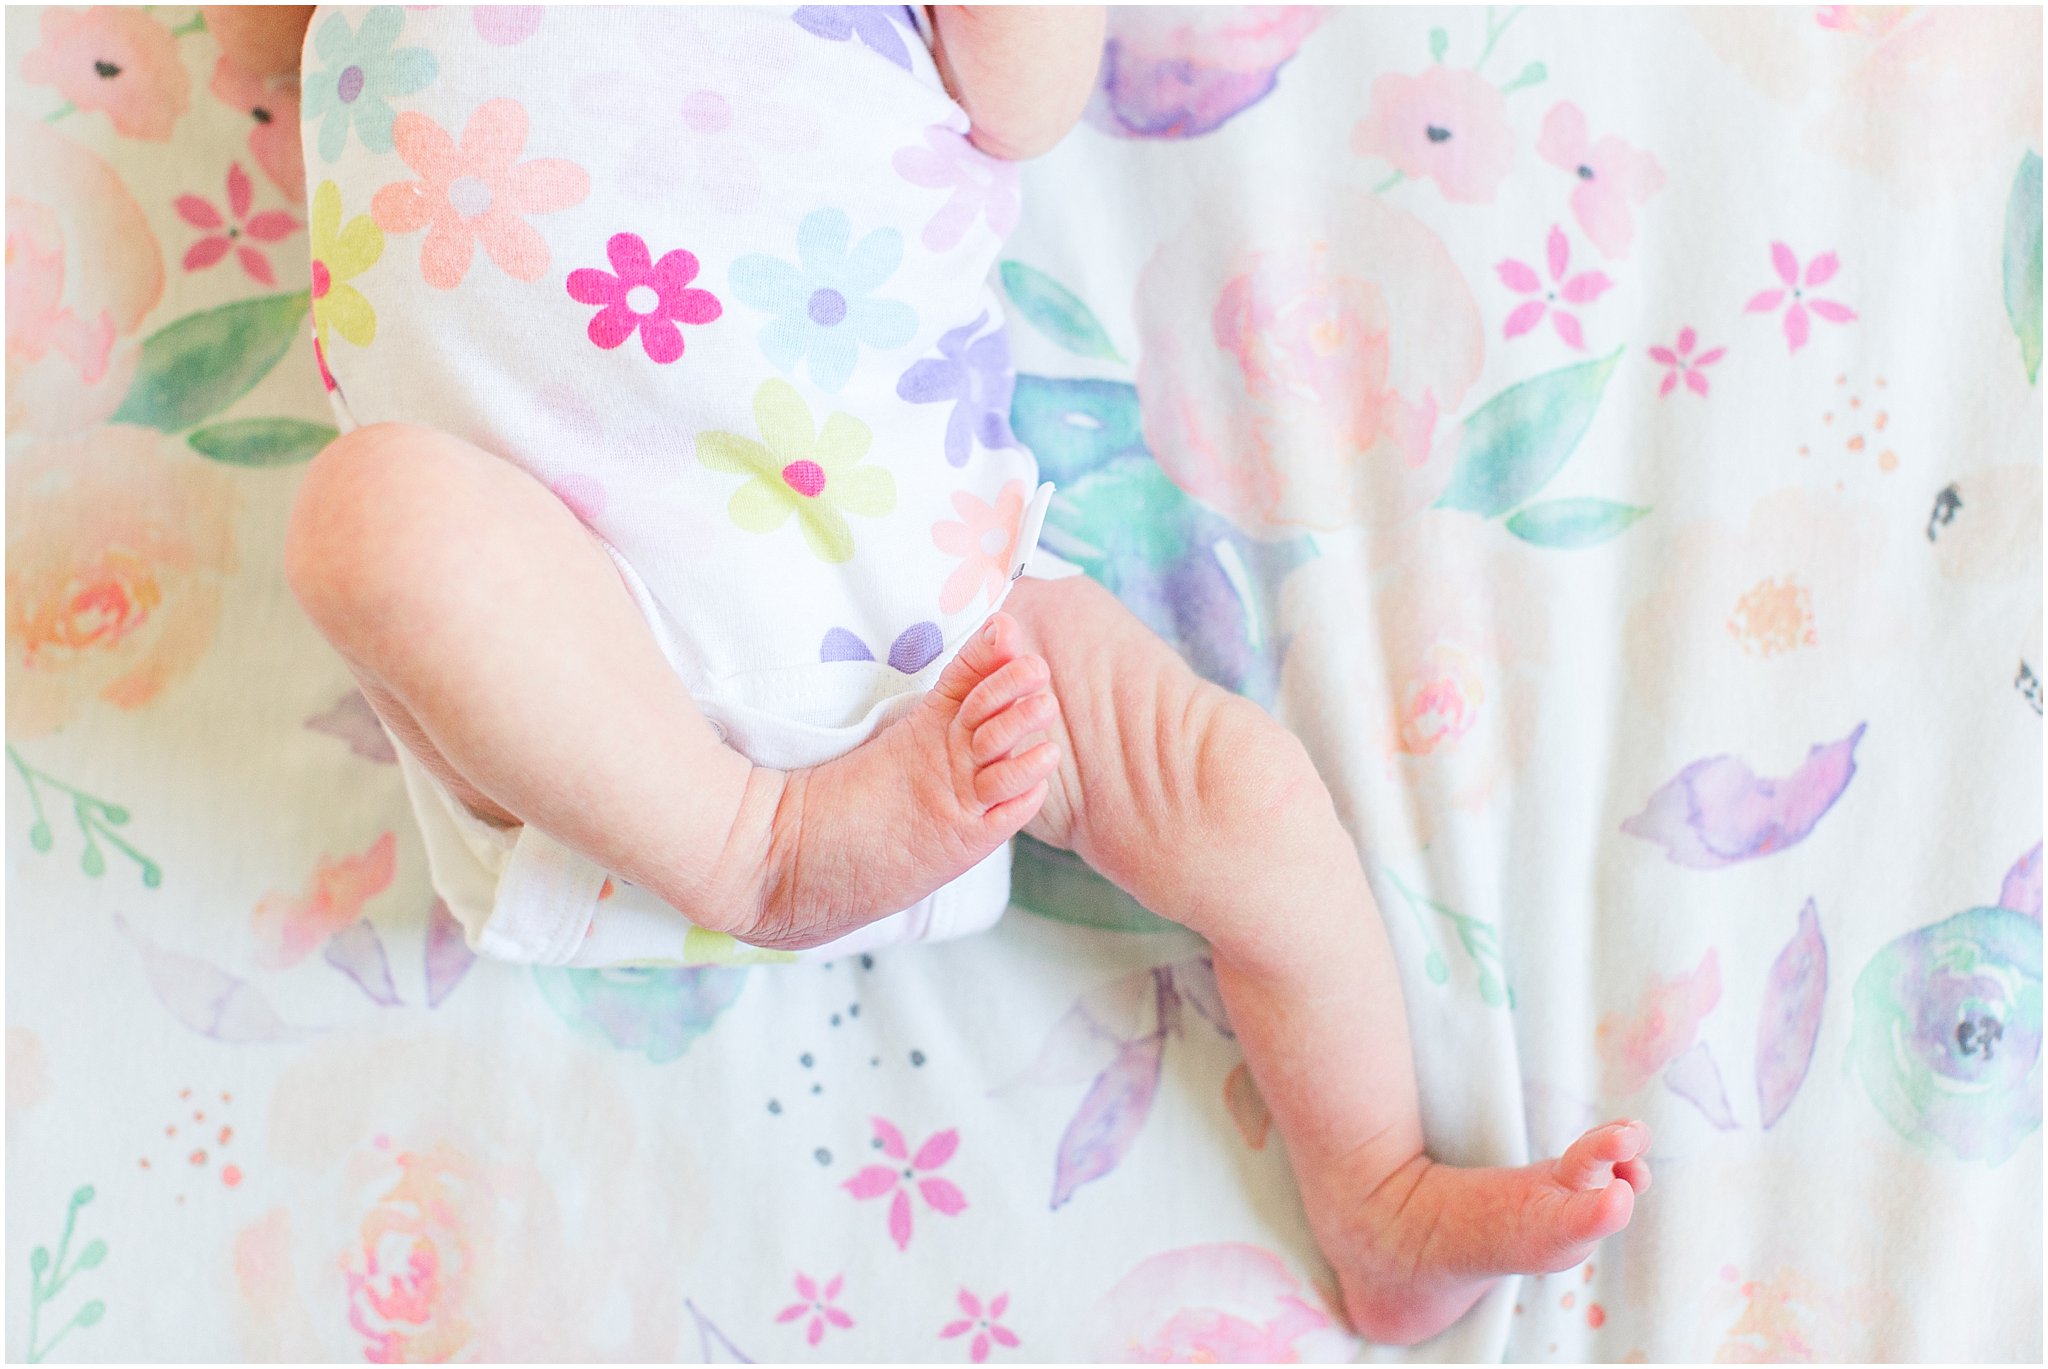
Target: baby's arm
x,y
1022,72
263,40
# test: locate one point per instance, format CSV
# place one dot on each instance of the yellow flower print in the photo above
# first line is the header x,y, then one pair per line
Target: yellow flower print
x,y
812,473
341,252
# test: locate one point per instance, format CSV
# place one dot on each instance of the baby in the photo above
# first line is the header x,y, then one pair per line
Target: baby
x,y
677,534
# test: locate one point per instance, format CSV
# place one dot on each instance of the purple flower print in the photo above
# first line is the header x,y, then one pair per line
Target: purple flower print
x,y
1819,271
874,25
984,1322
916,647
975,373
819,1304
1684,365
982,186
1583,288
897,1180
1718,811
649,296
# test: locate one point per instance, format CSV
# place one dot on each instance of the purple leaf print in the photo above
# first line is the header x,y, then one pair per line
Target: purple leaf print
x,y
869,23
1086,1040
2022,890
356,951
1196,980
841,645
714,1346
1718,811
1789,1024
1109,1118
353,721
447,954
1695,1077
207,998
916,647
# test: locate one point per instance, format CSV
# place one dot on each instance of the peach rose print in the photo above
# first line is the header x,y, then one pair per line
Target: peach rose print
x,y
289,928
408,1276
117,546
114,59
1334,349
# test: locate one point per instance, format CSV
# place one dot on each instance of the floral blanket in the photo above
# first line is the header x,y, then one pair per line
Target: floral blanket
x,y
1611,439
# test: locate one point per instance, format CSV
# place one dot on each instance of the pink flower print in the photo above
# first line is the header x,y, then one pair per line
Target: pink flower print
x,y
272,225
819,1305
986,542
650,296
939,1194
506,25
475,191
1448,123
1611,175
273,113
1819,271
982,186
984,1322
1683,364
1583,288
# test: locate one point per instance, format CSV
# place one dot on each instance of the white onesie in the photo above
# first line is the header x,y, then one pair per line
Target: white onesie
x,y
718,278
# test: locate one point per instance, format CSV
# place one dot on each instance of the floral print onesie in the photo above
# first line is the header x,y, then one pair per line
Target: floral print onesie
x,y
718,278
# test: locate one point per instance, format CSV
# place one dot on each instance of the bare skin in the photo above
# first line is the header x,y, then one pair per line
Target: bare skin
x,y
1064,717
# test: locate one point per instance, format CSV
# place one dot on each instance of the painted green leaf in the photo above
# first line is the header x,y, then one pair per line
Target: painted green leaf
x,y
90,1314
1531,75
1056,311
261,441
1569,524
194,368
2023,261
1439,43
1515,442
1059,885
92,1256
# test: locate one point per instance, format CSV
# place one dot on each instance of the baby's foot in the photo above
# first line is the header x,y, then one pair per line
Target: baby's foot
x,y
1414,1255
920,803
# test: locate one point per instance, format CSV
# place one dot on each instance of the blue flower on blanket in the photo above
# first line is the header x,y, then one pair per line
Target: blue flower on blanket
x,y
975,373
645,1011
824,304
364,73
873,25
916,647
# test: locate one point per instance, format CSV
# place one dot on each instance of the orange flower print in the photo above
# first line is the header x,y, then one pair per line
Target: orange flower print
x,y
116,551
408,1277
475,191
986,542
114,59
289,928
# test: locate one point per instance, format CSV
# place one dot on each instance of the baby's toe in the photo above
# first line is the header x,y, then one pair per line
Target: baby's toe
x,y
1592,1214
1014,680
993,644
1015,775
1634,1173
1589,1162
1002,734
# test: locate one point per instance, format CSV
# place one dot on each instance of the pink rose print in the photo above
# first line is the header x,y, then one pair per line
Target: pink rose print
x,y
1612,176
649,296
1449,124
939,1194
475,191
1583,288
272,225
1684,365
819,1305
115,59
984,1323
982,185
986,542
288,928
1819,271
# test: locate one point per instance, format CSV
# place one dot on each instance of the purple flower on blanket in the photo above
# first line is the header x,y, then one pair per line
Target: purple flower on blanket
x,y
2021,891
1583,288
1798,286
916,647
819,1303
647,296
1718,811
986,1324
873,25
1695,1077
908,1172
1788,1028
1181,73
982,186
973,370
1947,1034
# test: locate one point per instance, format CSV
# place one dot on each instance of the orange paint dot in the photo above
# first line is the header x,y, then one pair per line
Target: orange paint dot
x,y
232,1176
1596,1316
1880,382
1827,418
198,1157
1841,380
1589,1273
227,1098
1567,1300
170,1131
227,1134
143,1162
181,1199
184,1093
1803,450
199,1117
1882,419
606,890
1518,1309
1856,443
1887,460
1854,402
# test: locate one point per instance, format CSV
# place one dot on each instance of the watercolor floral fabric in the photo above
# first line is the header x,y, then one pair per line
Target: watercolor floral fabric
x,y
1610,439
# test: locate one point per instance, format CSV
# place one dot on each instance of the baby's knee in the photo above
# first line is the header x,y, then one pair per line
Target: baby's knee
x,y
1247,773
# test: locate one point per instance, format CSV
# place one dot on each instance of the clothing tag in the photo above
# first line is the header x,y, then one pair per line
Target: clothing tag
x,y
1030,528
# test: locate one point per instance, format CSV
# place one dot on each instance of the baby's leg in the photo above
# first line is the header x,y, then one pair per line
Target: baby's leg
x,y
1210,813
495,635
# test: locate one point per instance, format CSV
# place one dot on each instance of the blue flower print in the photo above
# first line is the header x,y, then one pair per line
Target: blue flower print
x,y
975,373
364,73
823,305
871,24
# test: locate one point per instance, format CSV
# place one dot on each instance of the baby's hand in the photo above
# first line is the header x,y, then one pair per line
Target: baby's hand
x,y
1022,72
